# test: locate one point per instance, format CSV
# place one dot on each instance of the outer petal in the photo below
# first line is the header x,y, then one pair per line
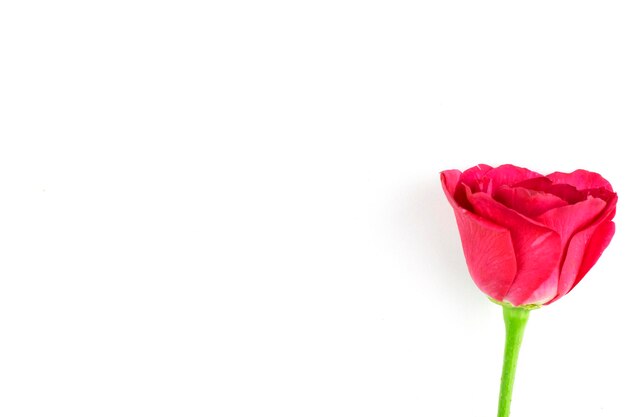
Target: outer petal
x,y
449,181
596,245
584,249
530,203
569,219
581,179
487,247
537,251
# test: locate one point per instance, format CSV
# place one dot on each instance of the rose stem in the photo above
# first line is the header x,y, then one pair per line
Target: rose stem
x,y
514,321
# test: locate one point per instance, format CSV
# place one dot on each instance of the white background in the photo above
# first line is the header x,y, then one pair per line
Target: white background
x,y
233,208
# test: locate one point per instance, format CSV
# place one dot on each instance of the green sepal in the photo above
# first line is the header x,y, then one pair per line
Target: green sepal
x,y
507,304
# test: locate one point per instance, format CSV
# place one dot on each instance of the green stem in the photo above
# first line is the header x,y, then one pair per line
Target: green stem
x,y
514,321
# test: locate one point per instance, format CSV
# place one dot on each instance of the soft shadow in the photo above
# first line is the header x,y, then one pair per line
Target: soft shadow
x,y
424,211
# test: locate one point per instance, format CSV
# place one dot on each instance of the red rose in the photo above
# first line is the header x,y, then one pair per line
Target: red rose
x,y
529,238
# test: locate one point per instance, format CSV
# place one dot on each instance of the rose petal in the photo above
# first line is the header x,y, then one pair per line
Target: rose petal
x,y
537,248
565,192
449,180
602,193
489,254
546,290
487,247
581,179
530,203
569,219
473,178
596,245
506,175
574,258
474,175
566,221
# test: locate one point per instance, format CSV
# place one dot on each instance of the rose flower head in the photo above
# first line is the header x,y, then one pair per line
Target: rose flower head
x,y
528,239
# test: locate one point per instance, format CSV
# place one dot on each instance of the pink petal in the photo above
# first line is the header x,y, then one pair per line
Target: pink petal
x,y
537,249
449,181
487,247
546,291
596,245
565,192
575,266
602,193
489,254
530,203
506,175
569,219
581,179
473,178
474,175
